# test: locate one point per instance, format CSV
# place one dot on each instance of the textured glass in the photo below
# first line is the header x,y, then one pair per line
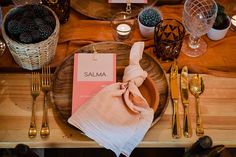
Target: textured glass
x,y
168,38
198,17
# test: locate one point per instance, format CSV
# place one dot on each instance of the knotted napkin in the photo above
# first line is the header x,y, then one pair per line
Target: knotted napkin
x,y
118,116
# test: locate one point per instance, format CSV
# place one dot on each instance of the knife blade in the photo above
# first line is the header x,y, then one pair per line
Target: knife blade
x,y
174,96
187,128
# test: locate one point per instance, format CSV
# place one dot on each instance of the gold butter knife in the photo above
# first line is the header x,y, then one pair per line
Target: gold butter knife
x,y
187,128
175,96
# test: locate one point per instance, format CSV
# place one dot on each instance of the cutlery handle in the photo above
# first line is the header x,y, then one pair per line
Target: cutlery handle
x,y
44,132
187,123
32,130
176,133
199,127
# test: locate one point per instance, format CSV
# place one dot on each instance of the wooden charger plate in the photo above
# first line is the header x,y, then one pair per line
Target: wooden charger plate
x,y
102,10
63,78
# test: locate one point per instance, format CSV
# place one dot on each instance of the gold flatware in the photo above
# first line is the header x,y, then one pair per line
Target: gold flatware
x,y
197,88
46,86
187,128
35,91
174,95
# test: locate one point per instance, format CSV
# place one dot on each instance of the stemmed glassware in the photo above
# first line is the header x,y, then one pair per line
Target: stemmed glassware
x,y
198,17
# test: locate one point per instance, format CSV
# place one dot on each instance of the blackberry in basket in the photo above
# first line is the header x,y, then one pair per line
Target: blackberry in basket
x,y
27,25
38,21
26,37
30,24
31,39
29,14
50,20
40,11
45,31
13,27
36,35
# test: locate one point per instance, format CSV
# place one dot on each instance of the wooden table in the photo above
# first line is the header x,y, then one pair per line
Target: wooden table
x,y
217,104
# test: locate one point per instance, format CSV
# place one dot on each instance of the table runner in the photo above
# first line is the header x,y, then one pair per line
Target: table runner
x,y
219,60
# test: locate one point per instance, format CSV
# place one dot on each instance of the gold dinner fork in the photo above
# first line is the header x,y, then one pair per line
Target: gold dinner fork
x,y
35,91
46,86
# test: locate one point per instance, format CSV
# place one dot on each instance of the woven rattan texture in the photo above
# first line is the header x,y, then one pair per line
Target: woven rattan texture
x,y
33,56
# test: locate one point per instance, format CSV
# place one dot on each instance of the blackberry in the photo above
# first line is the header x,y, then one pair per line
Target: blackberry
x,y
27,25
13,27
16,14
25,37
38,21
45,31
40,11
19,10
29,14
35,36
28,7
50,20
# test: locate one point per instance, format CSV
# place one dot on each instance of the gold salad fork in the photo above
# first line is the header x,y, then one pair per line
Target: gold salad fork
x,y
46,86
35,91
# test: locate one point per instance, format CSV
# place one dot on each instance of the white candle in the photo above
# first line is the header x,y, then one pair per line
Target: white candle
x,y
123,29
233,20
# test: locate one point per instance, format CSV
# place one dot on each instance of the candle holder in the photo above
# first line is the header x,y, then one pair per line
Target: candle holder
x,y
122,26
233,23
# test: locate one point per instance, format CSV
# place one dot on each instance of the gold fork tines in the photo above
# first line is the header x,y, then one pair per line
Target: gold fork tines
x,y
46,86
35,91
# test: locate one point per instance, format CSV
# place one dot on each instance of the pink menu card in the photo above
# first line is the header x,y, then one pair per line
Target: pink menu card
x,y
125,1
91,73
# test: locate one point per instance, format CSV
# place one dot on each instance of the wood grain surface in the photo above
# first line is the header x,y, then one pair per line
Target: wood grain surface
x,y
217,104
63,78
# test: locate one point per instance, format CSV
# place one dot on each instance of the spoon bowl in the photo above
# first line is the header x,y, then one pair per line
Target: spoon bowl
x,y
196,85
196,88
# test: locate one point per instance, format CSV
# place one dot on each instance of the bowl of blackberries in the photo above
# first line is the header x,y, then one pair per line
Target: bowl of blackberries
x,y
31,33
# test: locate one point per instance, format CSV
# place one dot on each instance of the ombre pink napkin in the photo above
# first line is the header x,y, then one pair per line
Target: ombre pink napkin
x,y
118,116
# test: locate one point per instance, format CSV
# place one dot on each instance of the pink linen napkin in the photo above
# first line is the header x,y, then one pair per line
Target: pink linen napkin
x,y
118,116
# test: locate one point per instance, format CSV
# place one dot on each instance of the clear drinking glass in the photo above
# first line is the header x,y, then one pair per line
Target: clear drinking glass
x,y
198,17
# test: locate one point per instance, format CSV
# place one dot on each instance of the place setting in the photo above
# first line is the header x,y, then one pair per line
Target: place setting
x,y
105,89
64,73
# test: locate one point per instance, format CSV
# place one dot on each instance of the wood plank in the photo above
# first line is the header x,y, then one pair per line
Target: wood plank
x,y
217,104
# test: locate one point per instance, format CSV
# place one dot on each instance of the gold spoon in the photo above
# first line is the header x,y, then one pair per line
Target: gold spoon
x,y
196,88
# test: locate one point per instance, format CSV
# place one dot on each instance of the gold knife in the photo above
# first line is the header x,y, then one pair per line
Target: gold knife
x,y
175,96
187,128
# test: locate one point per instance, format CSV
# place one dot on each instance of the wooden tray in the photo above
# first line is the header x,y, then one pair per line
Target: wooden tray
x,y
63,78
102,10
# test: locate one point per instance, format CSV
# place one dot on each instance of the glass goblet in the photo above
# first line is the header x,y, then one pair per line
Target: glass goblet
x,y
198,17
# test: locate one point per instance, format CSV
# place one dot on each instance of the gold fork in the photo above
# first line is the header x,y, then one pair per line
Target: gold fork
x,y
35,91
46,85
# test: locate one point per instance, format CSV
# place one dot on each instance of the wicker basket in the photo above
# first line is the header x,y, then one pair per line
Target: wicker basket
x,y
33,56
